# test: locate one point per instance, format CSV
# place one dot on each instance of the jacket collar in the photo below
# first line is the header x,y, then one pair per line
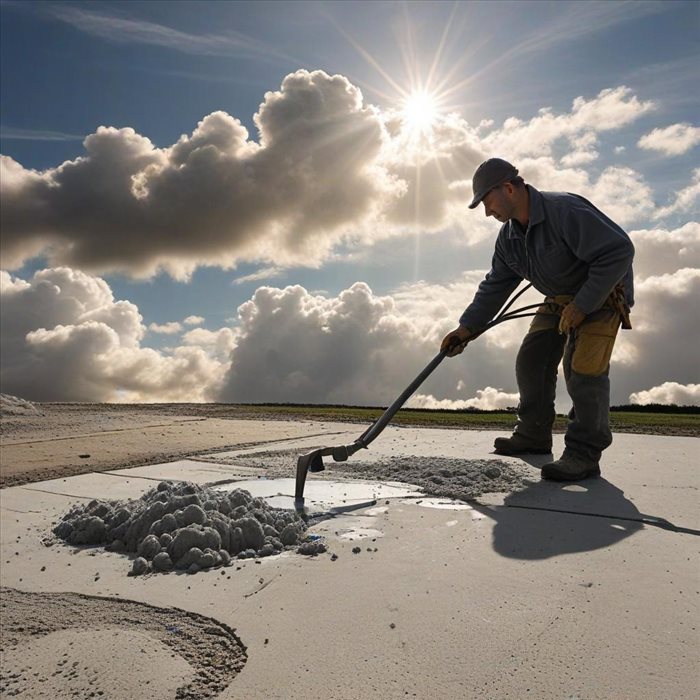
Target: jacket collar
x,y
536,214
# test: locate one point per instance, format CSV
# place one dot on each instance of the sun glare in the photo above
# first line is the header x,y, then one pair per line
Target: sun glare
x,y
419,111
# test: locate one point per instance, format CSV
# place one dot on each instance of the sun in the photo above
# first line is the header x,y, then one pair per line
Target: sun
x,y
419,112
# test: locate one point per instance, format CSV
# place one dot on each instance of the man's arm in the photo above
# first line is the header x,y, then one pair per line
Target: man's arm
x,y
492,293
607,249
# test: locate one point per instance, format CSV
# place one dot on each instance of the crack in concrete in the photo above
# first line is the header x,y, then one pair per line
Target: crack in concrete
x,y
205,456
14,510
60,493
135,476
644,519
104,432
264,585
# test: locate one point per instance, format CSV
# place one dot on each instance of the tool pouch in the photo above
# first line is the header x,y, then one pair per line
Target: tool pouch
x,y
618,301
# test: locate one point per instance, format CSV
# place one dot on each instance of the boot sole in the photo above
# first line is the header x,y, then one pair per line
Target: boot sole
x,y
515,453
554,475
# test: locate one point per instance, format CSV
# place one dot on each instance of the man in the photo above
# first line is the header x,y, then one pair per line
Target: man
x,y
582,262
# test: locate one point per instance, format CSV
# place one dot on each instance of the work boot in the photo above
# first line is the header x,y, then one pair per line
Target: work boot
x,y
518,444
570,467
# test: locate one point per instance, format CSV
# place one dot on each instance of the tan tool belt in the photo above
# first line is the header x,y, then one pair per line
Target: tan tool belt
x,y
617,300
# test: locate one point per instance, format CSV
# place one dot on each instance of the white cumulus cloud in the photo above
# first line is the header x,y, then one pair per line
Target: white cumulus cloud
x,y
611,109
662,346
672,140
357,347
297,346
169,328
669,393
487,399
65,338
218,344
684,200
659,251
324,168
215,196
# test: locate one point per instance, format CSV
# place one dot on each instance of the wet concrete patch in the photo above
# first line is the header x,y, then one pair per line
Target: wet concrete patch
x,y
443,504
323,495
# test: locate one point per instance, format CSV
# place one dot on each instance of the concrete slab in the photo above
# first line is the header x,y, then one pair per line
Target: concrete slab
x,y
26,517
92,485
653,468
197,471
515,602
312,440
139,442
646,477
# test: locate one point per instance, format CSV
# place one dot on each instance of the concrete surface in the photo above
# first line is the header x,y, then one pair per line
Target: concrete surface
x,y
586,591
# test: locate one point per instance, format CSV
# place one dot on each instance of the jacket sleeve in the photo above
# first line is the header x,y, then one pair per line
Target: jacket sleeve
x,y
599,241
492,293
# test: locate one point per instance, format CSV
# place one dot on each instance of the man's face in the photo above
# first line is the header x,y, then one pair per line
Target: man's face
x,y
498,203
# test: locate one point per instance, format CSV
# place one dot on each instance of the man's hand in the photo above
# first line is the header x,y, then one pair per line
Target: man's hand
x,y
571,318
455,341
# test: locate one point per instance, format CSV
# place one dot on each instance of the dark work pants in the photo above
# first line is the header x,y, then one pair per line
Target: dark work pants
x,y
586,356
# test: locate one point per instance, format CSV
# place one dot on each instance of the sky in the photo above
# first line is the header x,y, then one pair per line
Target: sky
x,y
255,202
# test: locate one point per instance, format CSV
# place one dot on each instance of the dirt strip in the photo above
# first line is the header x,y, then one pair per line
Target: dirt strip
x,y
213,653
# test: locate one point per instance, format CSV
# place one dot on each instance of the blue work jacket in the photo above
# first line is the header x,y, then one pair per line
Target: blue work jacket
x,y
569,247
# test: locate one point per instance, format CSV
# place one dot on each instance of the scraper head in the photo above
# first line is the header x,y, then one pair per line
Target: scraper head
x,y
311,462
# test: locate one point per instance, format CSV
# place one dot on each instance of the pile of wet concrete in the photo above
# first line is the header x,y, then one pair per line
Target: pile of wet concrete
x,y
186,527
447,477
444,477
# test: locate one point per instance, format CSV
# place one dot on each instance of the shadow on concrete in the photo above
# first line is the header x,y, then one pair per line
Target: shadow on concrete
x,y
547,519
537,461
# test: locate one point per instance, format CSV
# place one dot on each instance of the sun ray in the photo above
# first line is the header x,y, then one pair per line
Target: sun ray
x,y
367,56
441,46
416,219
408,53
446,87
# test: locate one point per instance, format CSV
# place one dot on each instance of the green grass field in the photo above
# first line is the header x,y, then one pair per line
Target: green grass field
x,y
620,421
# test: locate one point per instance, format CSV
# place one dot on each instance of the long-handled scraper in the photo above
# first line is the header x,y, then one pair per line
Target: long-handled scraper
x,y
313,461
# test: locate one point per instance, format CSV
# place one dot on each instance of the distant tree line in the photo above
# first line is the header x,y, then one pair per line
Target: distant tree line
x,y
656,408
630,407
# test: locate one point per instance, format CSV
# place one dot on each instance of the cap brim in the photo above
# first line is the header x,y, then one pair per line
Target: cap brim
x,y
476,201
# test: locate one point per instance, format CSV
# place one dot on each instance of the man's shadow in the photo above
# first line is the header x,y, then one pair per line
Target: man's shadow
x,y
547,519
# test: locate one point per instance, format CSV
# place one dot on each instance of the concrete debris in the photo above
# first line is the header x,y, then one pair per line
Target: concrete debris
x,y
14,406
311,548
139,567
187,527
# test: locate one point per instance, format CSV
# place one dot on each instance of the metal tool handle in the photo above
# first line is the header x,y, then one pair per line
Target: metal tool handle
x,y
388,414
